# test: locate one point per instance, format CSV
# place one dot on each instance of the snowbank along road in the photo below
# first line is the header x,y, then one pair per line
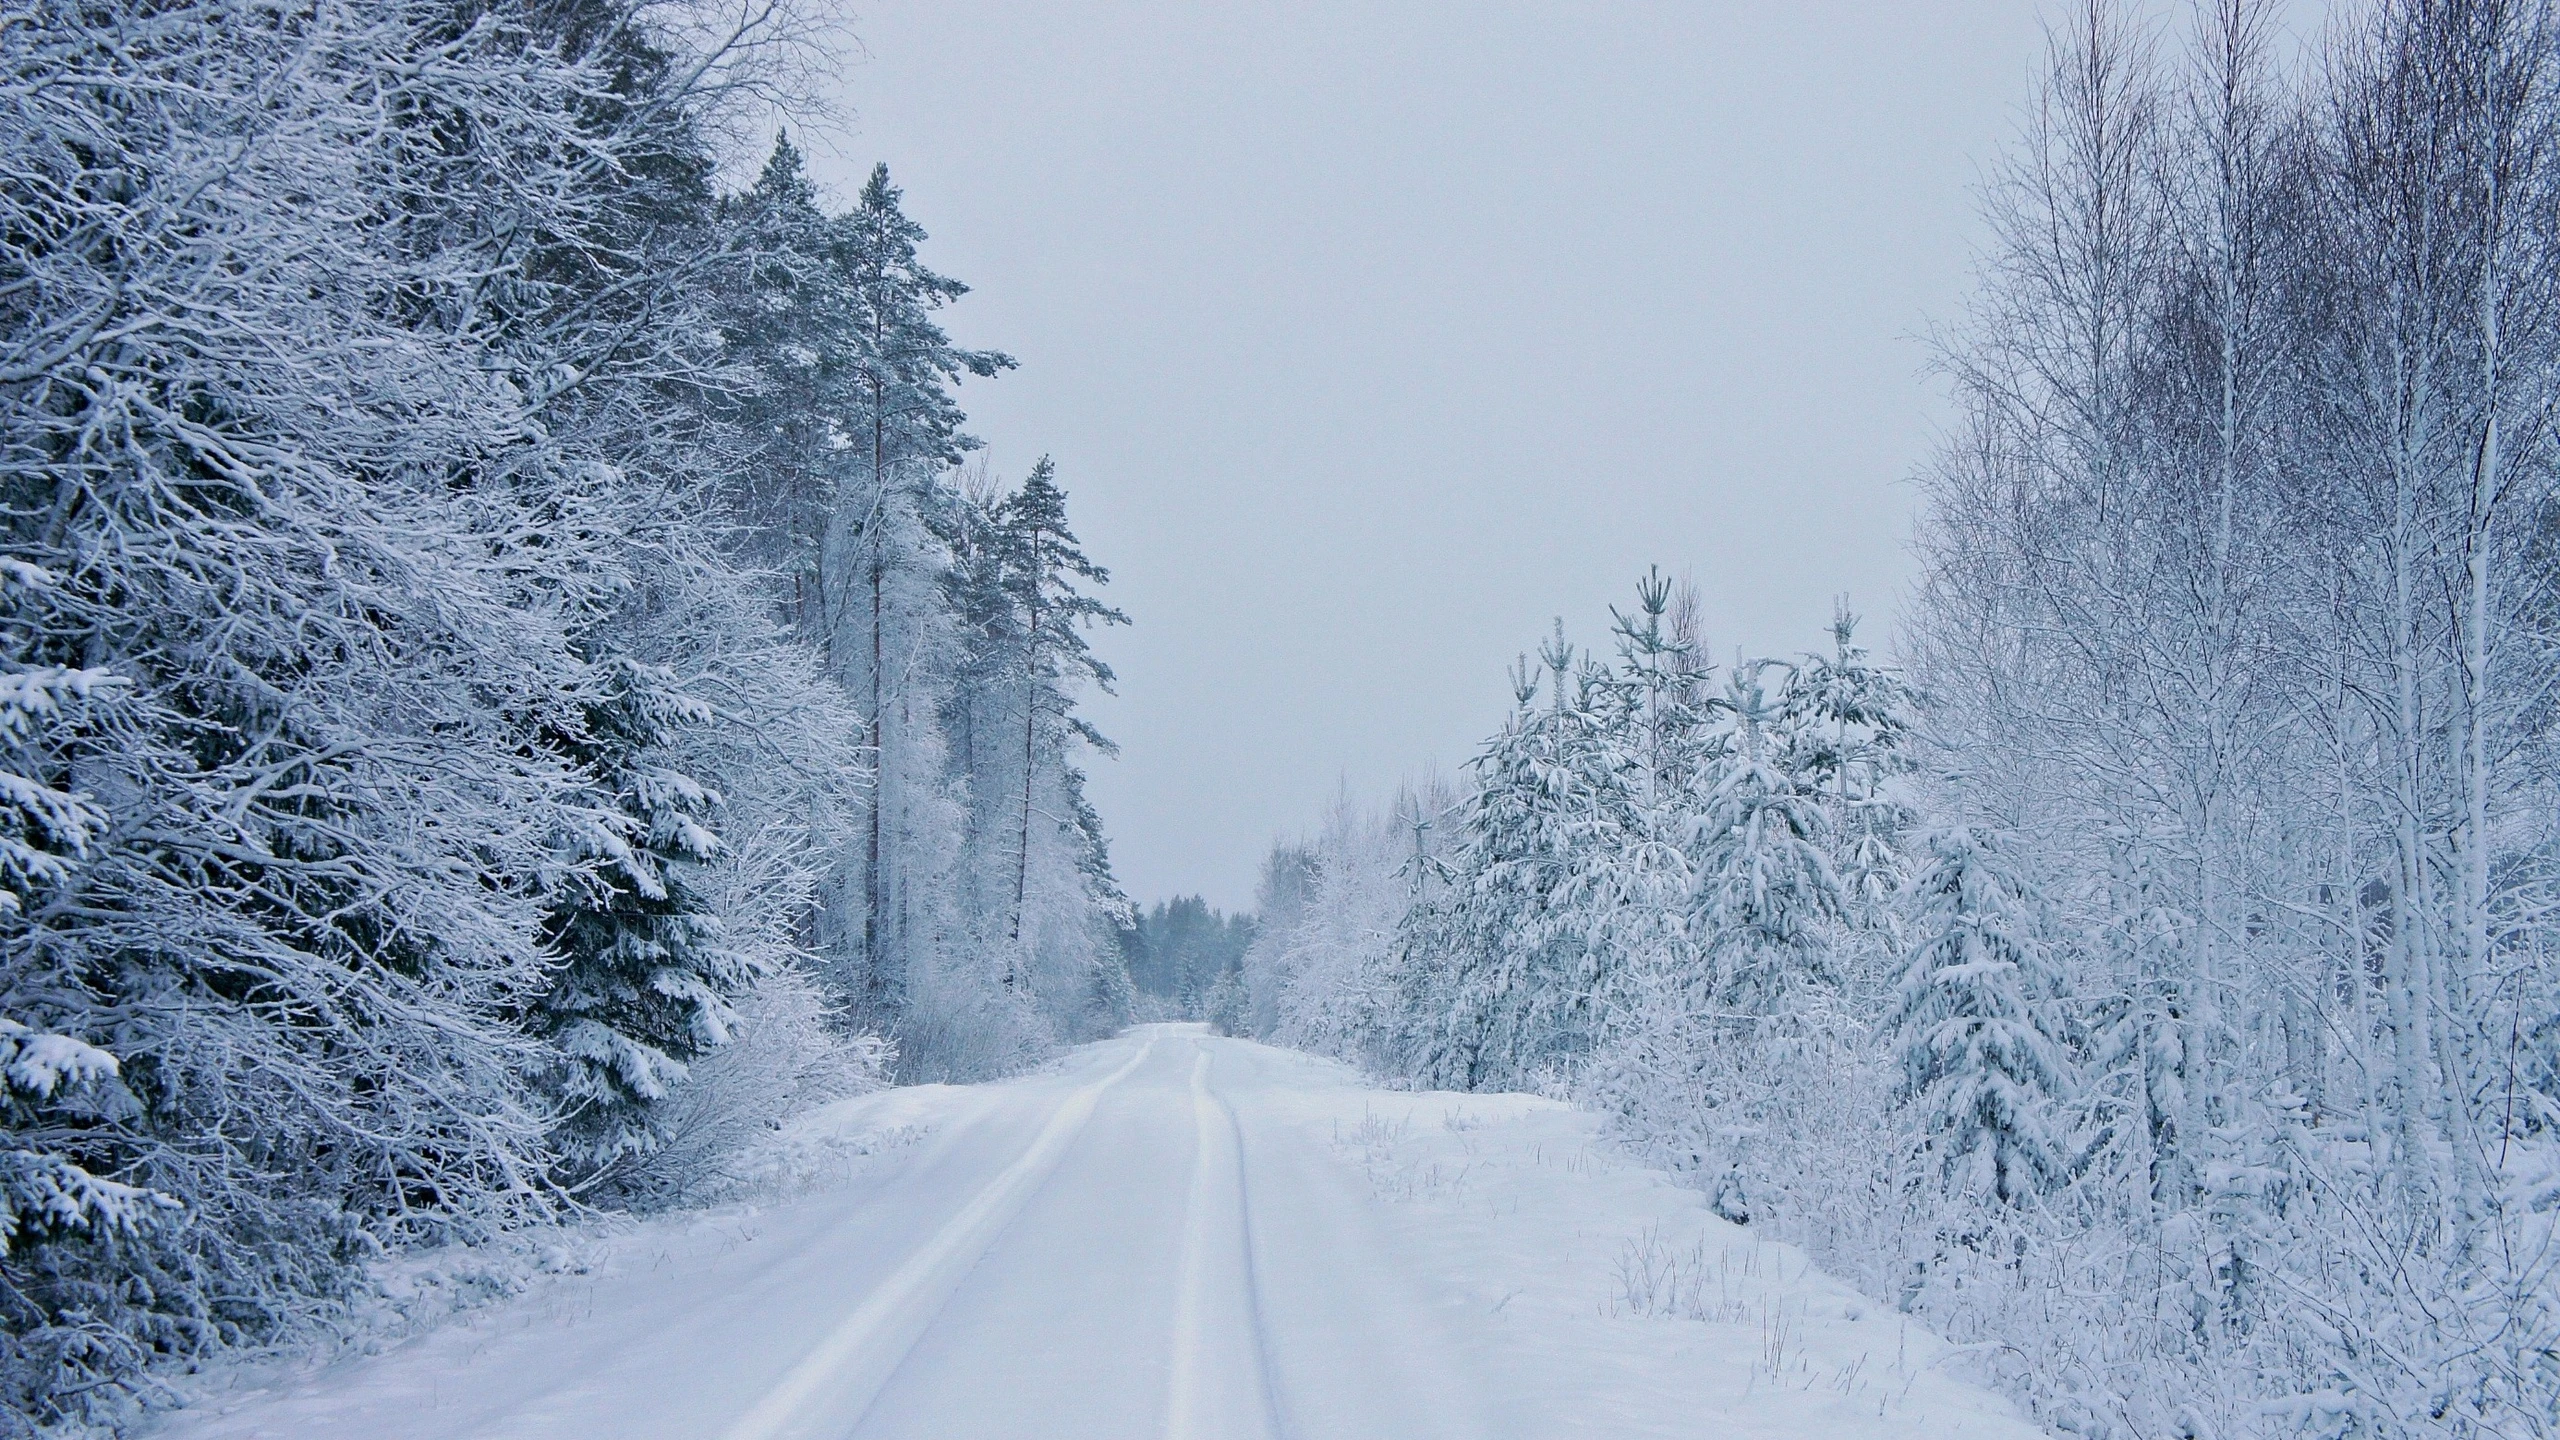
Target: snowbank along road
x,y
1165,1235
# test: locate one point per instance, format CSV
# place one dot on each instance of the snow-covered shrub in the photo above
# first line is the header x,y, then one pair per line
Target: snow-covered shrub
x,y
787,1054
959,1029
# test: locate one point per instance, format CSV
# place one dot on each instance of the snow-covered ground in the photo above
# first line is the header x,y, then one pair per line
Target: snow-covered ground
x,y
1167,1234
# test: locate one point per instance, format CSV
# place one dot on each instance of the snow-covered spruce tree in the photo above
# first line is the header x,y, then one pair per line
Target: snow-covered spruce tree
x,y
725,437
643,918
1976,1020
49,1085
44,828
70,1318
646,976
54,1087
782,746
647,972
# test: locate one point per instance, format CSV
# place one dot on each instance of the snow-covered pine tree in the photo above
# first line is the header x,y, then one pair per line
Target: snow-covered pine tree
x,y
1043,572
791,320
1847,722
979,709
1977,1017
1760,846
1519,927
1661,687
1648,990
1457,954
884,622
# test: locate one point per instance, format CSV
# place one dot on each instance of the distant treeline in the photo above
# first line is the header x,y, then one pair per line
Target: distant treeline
x,y
1188,955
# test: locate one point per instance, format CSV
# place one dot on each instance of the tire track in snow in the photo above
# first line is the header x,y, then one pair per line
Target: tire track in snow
x,y
1367,1351
1220,1388
837,1380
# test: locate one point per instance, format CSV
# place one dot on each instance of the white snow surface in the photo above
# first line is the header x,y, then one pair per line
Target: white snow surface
x,y
1167,1234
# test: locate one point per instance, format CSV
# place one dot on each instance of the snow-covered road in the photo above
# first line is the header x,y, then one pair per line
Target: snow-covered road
x,y
1166,1235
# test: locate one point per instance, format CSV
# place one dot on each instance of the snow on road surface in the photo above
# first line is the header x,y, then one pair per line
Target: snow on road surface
x,y
1174,1235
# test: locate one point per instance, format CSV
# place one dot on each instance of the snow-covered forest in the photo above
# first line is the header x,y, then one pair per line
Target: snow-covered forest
x,y
519,681
1185,958
510,683
2150,979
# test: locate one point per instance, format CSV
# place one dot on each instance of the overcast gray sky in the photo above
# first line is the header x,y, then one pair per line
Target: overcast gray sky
x,y
1368,337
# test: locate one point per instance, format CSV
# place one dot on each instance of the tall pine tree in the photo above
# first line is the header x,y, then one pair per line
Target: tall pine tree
x,y
880,598
1046,566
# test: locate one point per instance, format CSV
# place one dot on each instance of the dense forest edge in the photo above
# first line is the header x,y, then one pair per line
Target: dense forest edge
x,y
513,681
2149,981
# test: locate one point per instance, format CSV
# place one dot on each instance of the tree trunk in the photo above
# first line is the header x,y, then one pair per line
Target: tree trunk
x,y
1030,741
873,887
